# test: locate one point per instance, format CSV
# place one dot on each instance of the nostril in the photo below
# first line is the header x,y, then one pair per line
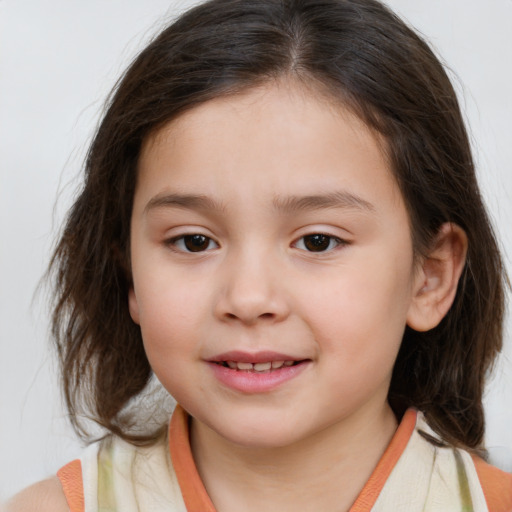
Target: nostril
x,y
250,307
263,316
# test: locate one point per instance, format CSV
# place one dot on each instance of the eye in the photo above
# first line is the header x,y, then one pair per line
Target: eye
x,y
193,243
318,242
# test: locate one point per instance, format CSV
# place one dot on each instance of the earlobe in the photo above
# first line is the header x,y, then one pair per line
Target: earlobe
x,y
133,305
436,283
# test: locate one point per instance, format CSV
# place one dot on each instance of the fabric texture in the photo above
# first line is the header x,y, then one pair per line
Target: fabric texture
x,y
413,475
70,477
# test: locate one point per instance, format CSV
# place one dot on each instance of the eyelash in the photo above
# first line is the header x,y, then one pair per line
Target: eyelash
x,y
179,243
318,240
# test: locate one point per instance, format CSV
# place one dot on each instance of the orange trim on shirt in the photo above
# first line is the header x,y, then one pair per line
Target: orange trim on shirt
x,y
368,496
197,500
70,477
494,482
194,494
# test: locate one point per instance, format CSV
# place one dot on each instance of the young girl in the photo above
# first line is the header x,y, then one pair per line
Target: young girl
x,y
280,221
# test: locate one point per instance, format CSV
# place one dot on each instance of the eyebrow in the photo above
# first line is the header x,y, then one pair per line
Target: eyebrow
x,y
187,201
339,199
288,204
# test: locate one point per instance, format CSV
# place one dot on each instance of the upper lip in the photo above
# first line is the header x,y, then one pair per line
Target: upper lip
x,y
255,357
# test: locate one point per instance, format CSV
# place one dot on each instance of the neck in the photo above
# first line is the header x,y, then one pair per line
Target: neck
x,y
326,471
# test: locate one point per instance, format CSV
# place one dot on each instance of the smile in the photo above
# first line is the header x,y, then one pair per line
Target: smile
x,y
257,367
259,372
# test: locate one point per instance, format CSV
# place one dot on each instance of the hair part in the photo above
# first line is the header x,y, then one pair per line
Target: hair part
x,y
362,56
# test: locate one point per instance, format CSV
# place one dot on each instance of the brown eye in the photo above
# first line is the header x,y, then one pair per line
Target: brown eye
x,y
193,243
318,242
196,243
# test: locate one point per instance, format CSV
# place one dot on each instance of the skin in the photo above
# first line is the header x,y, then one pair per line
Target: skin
x,y
255,285
44,496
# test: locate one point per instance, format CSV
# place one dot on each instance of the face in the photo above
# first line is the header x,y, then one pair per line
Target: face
x,y
272,266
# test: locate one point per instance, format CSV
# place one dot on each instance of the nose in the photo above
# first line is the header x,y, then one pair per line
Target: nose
x,y
251,290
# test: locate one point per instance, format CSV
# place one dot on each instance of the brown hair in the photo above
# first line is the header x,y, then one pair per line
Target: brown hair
x,y
367,59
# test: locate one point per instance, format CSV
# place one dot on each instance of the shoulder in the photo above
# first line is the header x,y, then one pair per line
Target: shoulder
x,y
44,496
496,485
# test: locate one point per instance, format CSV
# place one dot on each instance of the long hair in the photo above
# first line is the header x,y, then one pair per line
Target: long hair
x,y
362,56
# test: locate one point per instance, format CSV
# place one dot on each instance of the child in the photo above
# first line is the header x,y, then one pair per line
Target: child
x,y
280,221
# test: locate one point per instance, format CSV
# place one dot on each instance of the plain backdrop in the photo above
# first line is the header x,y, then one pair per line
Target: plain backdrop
x,y
58,60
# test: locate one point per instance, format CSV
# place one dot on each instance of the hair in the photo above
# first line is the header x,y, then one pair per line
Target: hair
x,y
363,57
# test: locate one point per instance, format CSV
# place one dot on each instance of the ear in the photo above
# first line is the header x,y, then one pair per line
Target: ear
x,y
133,305
437,278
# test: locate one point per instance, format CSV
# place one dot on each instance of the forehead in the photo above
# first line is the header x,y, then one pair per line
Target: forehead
x,y
280,138
297,104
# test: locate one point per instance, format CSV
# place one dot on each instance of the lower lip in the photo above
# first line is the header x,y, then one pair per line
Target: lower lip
x,y
256,382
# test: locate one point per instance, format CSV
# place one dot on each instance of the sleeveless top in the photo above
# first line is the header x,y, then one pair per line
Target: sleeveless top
x,y
413,475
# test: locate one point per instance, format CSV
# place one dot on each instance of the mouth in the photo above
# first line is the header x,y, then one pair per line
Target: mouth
x,y
257,372
261,367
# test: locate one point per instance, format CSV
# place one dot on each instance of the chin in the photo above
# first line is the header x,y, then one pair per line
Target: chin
x,y
273,433
263,439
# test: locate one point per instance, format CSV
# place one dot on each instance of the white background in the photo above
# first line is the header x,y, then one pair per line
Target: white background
x,y
58,60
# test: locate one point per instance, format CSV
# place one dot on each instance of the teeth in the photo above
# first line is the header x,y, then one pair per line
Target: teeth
x,y
258,367
262,367
244,366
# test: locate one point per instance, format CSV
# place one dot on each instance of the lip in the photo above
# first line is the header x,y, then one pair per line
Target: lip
x,y
256,357
252,382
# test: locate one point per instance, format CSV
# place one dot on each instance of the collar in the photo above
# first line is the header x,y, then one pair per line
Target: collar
x,y
197,500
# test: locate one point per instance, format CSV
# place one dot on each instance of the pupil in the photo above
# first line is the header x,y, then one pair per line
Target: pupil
x,y
196,243
317,243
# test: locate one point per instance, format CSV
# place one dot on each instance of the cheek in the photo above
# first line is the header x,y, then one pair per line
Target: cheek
x,y
168,298
170,338
362,315
168,320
